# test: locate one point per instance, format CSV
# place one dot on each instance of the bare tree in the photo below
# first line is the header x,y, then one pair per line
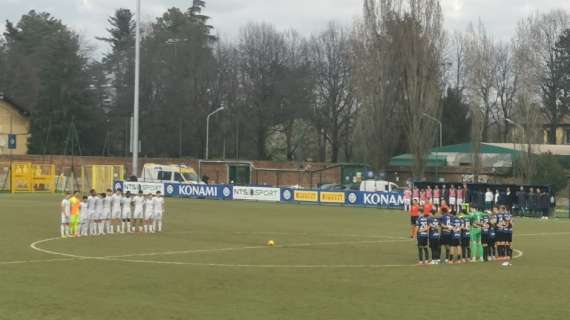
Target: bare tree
x,y
529,65
540,33
378,122
419,58
458,56
481,74
507,82
262,58
296,91
335,105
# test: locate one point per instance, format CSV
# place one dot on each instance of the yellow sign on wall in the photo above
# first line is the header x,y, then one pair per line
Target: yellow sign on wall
x,y
308,196
332,197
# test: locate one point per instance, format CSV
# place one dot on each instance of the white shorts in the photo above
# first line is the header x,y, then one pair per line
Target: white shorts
x,y
435,200
92,215
407,202
116,214
126,214
157,216
459,201
422,202
148,215
452,201
106,214
65,219
138,214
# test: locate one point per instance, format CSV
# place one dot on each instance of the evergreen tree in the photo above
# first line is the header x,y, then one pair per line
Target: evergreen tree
x,y
47,74
119,66
177,81
455,118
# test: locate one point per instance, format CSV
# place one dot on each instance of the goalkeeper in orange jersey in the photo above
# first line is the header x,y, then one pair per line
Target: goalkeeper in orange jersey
x,y
75,204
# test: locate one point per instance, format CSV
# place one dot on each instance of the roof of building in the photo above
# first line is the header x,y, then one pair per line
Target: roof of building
x,y
555,149
492,148
23,111
406,160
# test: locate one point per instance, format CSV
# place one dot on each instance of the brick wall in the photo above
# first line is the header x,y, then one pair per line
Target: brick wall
x,y
263,172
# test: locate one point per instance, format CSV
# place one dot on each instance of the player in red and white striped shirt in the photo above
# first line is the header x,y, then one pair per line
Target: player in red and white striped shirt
x,y
453,198
429,194
422,197
416,194
407,199
460,197
436,196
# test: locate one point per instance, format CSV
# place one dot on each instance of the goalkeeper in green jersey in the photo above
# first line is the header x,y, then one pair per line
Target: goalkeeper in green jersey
x,y
475,232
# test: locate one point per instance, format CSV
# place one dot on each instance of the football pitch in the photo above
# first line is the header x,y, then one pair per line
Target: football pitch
x,y
212,263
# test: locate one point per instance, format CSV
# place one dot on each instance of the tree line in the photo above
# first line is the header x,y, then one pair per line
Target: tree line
x,y
359,93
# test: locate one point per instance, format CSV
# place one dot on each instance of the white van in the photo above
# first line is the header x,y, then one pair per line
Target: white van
x,y
169,173
378,186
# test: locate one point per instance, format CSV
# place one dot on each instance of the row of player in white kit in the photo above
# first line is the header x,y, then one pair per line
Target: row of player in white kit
x,y
117,212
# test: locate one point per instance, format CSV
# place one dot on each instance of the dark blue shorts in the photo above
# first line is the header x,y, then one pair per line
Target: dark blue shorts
x,y
422,241
446,239
499,236
455,242
434,242
484,237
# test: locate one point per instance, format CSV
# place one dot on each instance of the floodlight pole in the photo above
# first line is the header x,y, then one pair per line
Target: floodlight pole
x,y
208,129
135,137
440,142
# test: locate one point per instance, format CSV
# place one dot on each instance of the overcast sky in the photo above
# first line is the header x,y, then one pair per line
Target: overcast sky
x,y
88,17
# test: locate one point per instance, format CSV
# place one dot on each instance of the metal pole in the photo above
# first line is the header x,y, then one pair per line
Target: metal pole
x,y
207,134
208,129
135,136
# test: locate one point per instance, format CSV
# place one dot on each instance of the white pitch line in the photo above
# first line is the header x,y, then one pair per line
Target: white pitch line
x,y
34,246
542,234
267,266
298,245
300,234
36,261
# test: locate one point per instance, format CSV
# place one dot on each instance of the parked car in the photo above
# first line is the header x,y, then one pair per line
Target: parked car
x,y
378,186
169,173
332,187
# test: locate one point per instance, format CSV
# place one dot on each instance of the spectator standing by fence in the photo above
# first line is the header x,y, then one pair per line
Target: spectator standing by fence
x,y
553,203
532,201
489,199
509,199
545,204
521,201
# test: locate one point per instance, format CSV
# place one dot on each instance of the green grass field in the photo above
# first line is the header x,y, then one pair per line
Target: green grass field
x,y
212,263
